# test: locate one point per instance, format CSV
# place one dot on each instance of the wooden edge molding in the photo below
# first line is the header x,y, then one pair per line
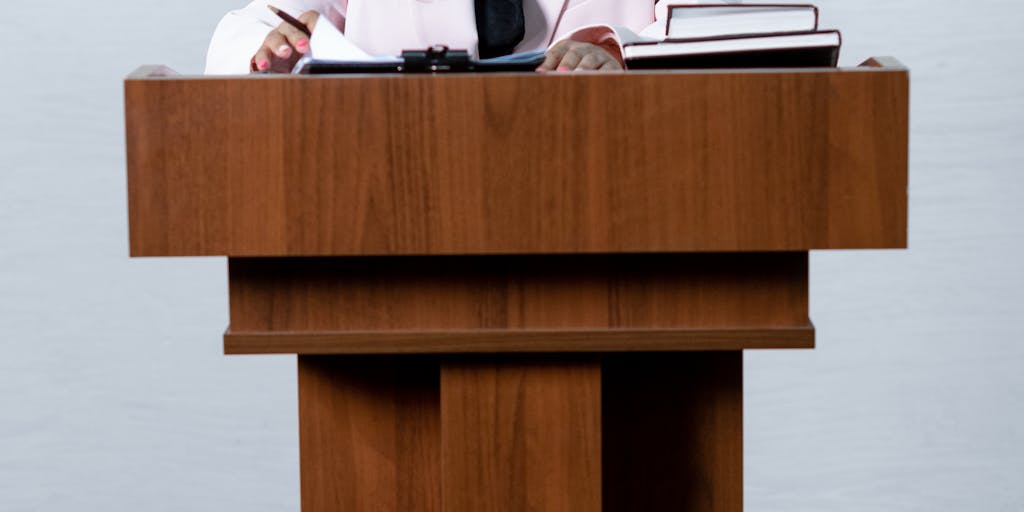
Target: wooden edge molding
x,y
883,62
161,71
517,341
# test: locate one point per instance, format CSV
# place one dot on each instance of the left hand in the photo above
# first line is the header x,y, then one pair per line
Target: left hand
x,y
574,55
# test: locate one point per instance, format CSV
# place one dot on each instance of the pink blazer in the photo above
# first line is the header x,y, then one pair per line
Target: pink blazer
x,y
386,27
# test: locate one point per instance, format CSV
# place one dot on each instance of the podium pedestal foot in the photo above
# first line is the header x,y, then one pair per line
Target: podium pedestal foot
x,y
673,432
613,433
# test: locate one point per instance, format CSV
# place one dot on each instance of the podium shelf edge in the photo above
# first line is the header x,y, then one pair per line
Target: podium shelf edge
x,y
493,341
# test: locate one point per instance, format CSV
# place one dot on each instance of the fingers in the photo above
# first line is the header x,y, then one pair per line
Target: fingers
x,y
277,44
574,55
309,19
294,38
283,45
591,61
261,61
570,61
275,56
554,56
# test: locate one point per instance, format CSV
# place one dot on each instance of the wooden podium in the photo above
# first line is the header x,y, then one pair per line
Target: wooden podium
x,y
519,292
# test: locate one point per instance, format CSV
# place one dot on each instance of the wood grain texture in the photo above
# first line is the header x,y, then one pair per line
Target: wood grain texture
x,y
673,432
519,341
585,292
521,434
617,432
369,434
518,303
517,164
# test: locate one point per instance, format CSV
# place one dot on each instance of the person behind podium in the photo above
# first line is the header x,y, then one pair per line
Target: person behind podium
x,y
577,34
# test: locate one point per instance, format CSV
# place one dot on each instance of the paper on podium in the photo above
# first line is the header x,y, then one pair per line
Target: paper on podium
x,y
328,43
333,53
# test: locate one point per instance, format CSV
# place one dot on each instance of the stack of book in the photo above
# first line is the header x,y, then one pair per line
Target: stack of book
x,y
737,36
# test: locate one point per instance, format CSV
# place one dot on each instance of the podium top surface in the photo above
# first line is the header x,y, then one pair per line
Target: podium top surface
x,y
634,162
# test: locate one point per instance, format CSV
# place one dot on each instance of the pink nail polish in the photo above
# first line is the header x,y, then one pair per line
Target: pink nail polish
x,y
563,69
263,64
284,50
302,44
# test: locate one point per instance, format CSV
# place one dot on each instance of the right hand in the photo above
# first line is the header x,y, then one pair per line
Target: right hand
x,y
284,46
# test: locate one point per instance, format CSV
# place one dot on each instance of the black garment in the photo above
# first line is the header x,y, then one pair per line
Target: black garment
x,y
500,25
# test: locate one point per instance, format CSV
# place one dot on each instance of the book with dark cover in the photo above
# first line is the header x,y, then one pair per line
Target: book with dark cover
x,y
813,49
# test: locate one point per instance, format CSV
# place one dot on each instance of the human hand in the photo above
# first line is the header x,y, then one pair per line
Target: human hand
x,y
284,46
574,55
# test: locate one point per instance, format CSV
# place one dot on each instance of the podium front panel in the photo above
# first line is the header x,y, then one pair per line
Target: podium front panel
x,y
557,163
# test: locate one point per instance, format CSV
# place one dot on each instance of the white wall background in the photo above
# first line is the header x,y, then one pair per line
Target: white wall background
x,y
114,394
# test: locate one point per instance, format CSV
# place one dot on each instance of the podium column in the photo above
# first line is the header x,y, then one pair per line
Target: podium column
x,y
522,433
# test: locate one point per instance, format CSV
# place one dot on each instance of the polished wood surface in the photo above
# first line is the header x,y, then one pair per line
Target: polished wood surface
x,y
770,160
521,434
519,304
369,431
511,433
673,432
536,287
520,341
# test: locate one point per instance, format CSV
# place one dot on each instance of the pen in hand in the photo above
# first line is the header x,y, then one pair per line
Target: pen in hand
x,y
284,45
290,20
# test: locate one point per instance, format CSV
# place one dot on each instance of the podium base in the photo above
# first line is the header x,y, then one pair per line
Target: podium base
x,y
580,432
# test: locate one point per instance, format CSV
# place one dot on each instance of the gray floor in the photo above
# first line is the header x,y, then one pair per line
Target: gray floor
x,y
114,395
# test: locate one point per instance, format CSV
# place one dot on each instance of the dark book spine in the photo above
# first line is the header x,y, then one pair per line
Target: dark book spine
x,y
787,58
